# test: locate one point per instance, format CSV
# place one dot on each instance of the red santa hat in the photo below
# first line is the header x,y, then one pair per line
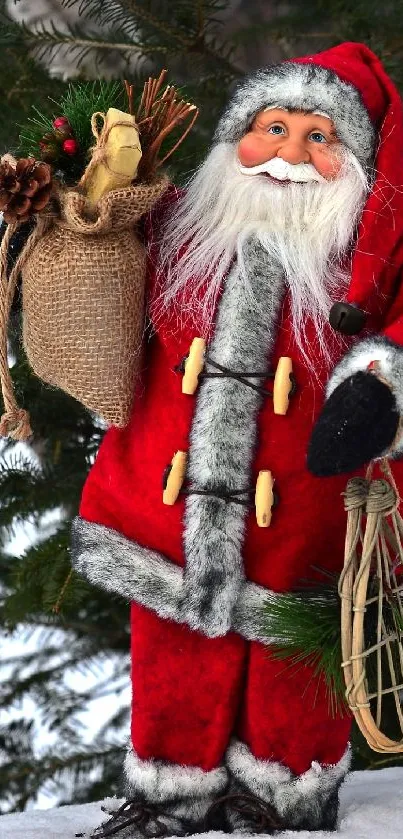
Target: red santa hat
x,y
348,83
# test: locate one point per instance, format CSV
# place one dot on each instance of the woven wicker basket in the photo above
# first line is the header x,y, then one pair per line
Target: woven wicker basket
x,y
371,590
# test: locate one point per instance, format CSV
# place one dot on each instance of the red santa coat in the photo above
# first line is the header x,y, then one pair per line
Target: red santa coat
x,y
207,690
124,489
192,692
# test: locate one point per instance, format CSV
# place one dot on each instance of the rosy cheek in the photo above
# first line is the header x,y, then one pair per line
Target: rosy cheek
x,y
327,164
253,149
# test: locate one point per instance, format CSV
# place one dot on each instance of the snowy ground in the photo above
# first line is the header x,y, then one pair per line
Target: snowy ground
x,y
371,808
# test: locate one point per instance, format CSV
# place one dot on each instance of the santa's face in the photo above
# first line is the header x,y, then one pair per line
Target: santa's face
x,y
303,217
295,138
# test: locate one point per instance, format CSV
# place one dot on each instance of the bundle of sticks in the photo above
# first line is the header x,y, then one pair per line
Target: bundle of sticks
x,y
160,112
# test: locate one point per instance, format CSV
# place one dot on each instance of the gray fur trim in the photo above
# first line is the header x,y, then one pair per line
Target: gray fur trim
x,y
109,560
158,780
301,800
187,790
250,617
308,87
390,357
223,438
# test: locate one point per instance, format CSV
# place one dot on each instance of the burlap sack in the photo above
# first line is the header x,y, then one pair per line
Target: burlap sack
x,y
83,299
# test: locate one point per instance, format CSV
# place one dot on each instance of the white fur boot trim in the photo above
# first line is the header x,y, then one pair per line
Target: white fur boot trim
x,y
188,791
301,800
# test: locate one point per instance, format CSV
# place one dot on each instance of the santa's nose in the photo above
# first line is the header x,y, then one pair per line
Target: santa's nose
x,y
293,152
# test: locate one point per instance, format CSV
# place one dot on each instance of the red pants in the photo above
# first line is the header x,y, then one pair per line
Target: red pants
x,y
192,693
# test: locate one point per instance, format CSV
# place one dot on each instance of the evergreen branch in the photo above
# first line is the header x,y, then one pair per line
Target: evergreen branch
x,y
95,9
386,761
305,629
104,13
55,38
35,656
50,766
46,683
275,30
178,41
45,39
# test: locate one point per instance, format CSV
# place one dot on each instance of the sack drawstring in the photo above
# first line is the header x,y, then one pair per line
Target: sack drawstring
x,y
15,422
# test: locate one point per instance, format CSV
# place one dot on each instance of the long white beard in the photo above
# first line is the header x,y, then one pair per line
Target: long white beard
x,y
306,227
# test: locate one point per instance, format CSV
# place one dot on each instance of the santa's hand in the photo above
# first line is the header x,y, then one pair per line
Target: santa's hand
x,y
359,422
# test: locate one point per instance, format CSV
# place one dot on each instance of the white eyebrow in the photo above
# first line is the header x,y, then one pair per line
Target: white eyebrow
x,y
282,108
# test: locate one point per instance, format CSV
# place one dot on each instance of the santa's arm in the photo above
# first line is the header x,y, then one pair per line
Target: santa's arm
x,y
363,413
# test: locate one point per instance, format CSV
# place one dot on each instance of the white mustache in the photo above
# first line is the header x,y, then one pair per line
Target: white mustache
x,y
283,171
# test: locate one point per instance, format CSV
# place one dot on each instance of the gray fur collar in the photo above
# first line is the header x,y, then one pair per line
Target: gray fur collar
x,y
223,439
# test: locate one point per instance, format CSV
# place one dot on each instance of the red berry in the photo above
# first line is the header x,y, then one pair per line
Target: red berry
x,y
61,122
70,146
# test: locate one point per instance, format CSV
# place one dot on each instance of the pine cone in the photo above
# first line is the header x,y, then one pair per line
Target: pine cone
x,y
25,188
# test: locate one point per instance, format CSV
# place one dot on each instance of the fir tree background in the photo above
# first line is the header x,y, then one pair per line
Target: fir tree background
x,y
64,627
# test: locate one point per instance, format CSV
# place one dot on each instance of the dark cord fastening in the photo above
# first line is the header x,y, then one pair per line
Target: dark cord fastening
x,y
226,373
244,378
224,494
230,495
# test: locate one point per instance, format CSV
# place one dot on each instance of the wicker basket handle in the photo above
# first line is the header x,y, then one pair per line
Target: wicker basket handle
x,y
368,503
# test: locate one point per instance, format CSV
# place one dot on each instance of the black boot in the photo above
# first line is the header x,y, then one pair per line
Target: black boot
x,y
244,812
138,819
309,801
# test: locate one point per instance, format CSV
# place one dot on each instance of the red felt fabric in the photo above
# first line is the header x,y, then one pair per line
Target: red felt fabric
x,y
186,691
191,694
356,64
287,714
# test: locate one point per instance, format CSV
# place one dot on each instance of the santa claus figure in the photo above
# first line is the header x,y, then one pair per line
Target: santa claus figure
x,y
282,258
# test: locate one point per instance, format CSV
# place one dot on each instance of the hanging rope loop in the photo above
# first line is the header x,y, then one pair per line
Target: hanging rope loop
x,y
14,422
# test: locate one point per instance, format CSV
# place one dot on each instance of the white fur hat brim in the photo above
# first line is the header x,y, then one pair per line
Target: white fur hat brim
x,y
308,87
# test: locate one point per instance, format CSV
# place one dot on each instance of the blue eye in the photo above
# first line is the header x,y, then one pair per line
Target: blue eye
x,y
276,129
317,137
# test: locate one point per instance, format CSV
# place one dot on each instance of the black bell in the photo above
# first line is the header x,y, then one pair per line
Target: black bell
x,y
347,318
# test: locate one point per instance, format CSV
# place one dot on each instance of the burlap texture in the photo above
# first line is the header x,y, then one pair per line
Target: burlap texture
x,y
83,299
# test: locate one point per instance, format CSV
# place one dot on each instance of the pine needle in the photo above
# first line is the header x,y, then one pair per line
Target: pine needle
x,y
80,101
305,628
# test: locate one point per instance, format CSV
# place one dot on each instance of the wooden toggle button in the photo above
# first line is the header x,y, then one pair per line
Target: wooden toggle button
x,y
282,385
193,364
174,477
264,498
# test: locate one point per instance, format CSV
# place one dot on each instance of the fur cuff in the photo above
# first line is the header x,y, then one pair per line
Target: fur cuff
x,y
301,801
390,358
250,617
187,790
111,561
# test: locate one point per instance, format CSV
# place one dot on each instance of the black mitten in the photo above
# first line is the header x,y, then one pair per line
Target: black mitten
x,y
358,422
